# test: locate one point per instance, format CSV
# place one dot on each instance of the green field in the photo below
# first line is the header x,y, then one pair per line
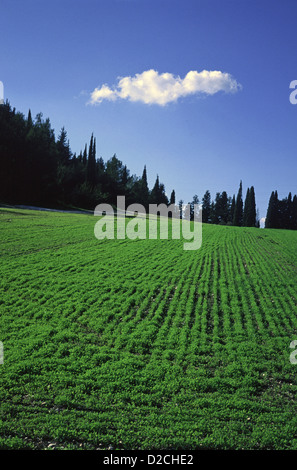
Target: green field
x,y
142,345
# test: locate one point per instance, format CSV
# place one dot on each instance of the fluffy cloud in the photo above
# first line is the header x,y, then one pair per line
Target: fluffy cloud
x,y
150,87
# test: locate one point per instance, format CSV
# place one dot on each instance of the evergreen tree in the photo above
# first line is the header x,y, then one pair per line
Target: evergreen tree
x,y
282,214
294,213
38,169
224,208
289,212
172,197
257,219
144,190
91,163
194,202
238,210
85,156
252,213
29,120
232,209
163,199
212,214
246,207
216,210
271,220
155,192
249,212
63,148
180,206
206,204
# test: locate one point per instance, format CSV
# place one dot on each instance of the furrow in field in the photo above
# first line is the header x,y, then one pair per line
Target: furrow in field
x,y
174,317
260,267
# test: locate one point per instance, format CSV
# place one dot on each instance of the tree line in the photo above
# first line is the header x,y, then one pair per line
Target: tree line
x,y
39,169
227,210
282,213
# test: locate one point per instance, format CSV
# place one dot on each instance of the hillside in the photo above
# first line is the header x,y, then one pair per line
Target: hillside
x,y
142,345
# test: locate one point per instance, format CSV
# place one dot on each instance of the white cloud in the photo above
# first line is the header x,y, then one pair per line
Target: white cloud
x,y
150,87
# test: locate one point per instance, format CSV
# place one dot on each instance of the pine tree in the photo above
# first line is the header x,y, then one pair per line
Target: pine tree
x,y
63,148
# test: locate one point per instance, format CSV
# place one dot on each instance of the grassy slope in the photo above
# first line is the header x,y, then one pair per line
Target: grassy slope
x,y
140,344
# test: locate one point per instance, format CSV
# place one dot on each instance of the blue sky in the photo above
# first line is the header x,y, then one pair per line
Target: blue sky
x,y
54,54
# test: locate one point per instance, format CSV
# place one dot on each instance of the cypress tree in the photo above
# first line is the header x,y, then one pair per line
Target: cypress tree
x,y
272,211
212,213
162,199
91,163
144,190
180,206
172,197
289,212
246,207
85,155
257,219
249,213
294,213
224,208
238,210
232,209
155,192
252,213
206,203
194,202
29,120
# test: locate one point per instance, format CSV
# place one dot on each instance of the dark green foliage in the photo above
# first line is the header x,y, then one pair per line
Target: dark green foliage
x,y
282,213
238,210
294,213
158,195
194,203
272,211
91,163
144,190
172,197
206,206
28,158
220,209
249,212
232,209
37,169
